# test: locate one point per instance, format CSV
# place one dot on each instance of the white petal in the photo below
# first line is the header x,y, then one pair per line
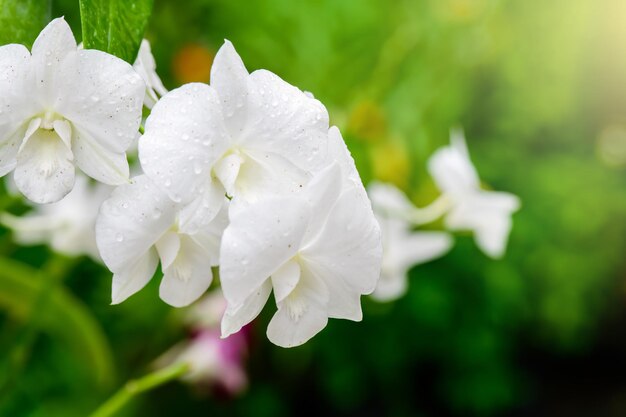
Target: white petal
x,y
452,169
101,95
338,151
64,130
168,246
198,214
134,276
226,170
283,331
146,68
344,301
53,45
417,248
301,315
265,173
54,42
391,285
488,214
210,237
281,119
322,193
44,171
237,317
259,239
230,79
492,239
349,247
184,137
33,125
389,201
8,150
457,141
403,249
98,162
131,221
17,102
188,277
285,279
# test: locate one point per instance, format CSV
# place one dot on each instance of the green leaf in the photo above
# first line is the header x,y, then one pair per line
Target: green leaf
x,y
115,26
65,318
22,20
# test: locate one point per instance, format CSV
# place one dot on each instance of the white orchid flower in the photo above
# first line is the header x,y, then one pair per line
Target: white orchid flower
x,y
245,135
486,213
137,226
60,107
403,247
319,251
68,226
146,68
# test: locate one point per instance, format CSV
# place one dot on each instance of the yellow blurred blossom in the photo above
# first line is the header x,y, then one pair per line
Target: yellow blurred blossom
x,y
192,63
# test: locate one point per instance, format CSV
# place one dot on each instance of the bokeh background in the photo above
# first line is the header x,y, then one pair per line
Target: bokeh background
x,y
540,89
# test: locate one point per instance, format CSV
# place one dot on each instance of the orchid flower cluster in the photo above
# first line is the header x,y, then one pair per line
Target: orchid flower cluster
x,y
243,179
464,205
244,174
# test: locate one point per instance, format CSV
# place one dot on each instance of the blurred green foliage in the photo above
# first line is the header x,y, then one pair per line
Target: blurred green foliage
x,y
536,85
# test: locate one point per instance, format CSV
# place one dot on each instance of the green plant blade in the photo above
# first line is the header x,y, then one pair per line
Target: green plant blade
x,y
22,20
115,26
65,318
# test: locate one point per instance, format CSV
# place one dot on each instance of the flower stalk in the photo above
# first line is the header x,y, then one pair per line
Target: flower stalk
x,y
135,387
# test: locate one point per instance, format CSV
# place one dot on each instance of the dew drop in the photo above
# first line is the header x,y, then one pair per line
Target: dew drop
x,y
119,237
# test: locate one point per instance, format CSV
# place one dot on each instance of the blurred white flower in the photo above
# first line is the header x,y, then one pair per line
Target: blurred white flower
x,y
213,361
403,247
62,106
146,68
486,213
319,251
245,135
137,226
207,312
68,226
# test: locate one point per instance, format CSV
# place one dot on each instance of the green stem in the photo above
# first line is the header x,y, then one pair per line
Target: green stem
x,y
432,212
137,386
